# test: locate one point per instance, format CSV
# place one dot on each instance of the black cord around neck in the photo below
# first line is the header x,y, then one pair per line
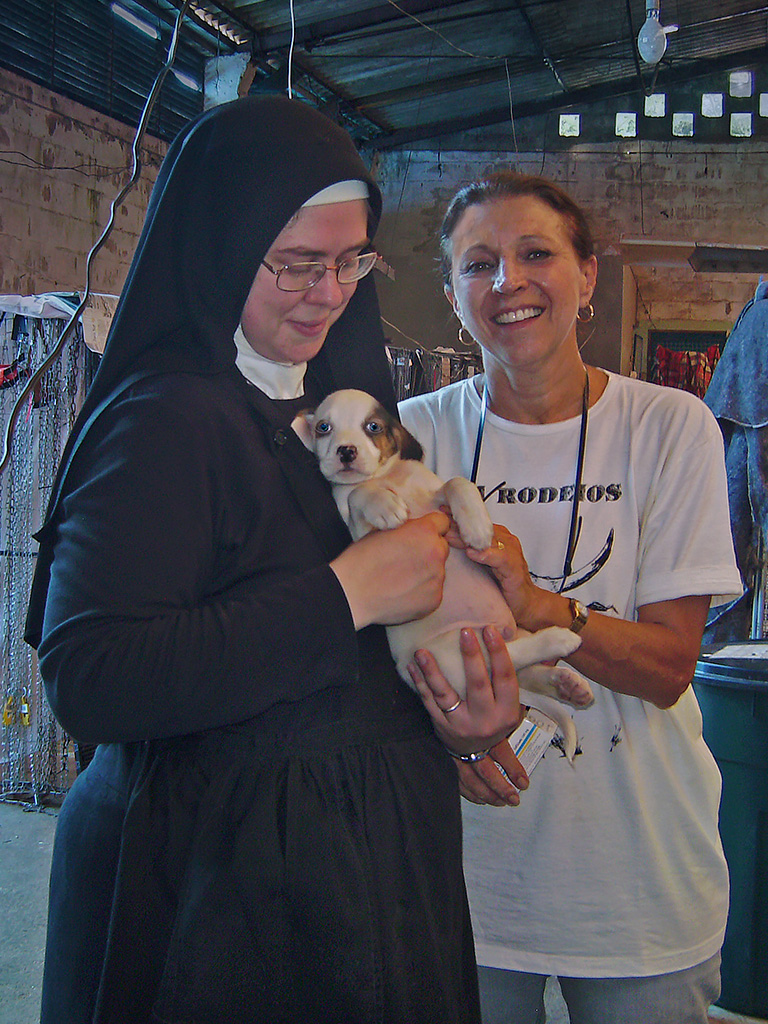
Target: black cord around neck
x,y
573,531
480,432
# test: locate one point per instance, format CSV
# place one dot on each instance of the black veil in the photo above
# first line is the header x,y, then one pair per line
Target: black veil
x,y
229,183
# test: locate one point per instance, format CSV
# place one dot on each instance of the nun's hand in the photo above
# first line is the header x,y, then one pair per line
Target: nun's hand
x,y
393,576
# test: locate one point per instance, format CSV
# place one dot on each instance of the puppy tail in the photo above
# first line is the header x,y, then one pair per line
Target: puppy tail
x,y
556,711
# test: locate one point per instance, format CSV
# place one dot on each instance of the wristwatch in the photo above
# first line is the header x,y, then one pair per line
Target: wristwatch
x,y
580,615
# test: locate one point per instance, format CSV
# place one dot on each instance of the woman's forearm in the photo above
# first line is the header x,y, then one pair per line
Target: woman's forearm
x,y
653,658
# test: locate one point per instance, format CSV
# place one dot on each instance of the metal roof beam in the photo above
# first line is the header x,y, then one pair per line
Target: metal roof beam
x,y
351,106
316,32
482,76
592,94
213,34
539,45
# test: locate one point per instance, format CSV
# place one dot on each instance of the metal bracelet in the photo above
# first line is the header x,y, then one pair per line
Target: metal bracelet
x,y
478,755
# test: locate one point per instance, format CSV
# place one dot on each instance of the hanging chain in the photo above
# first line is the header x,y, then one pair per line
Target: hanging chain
x,y
18,696
34,752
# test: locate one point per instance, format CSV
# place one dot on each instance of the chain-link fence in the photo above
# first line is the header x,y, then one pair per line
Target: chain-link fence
x,y
33,750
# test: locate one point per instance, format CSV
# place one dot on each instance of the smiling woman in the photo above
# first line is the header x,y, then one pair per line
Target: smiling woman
x,y
610,874
518,265
517,285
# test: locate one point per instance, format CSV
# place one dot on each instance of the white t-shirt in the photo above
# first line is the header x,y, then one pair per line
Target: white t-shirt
x,y
612,866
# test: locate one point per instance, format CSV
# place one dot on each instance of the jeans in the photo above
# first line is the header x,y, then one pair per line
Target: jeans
x,y
682,997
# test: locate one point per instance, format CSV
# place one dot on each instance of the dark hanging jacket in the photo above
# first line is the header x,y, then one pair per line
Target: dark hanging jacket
x,y
738,396
269,830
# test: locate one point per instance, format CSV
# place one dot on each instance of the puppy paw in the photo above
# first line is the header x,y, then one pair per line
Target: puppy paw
x,y
572,687
469,512
476,534
560,642
386,511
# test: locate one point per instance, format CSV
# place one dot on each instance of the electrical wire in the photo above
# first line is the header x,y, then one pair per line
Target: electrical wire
x,y
511,111
91,172
544,142
642,185
135,174
440,35
420,347
291,48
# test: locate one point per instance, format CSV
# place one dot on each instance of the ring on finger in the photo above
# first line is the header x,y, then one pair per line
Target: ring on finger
x,y
447,711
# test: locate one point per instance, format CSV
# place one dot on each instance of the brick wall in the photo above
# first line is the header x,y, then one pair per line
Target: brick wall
x,y
60,167
674,191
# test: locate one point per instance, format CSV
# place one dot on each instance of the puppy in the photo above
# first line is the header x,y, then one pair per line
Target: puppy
x,y
379,481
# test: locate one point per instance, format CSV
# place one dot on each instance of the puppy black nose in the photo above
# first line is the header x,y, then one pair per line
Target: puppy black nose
x,y
347,453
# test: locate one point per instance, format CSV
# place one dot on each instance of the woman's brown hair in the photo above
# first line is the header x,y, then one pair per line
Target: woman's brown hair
x,y
506,185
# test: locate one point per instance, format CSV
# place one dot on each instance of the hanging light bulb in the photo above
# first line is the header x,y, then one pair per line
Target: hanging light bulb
x,y
652,38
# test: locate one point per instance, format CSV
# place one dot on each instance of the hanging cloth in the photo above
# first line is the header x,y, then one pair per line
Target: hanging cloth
x,y
738,397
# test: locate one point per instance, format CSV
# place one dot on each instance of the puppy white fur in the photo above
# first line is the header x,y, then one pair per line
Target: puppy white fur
x,y
379,482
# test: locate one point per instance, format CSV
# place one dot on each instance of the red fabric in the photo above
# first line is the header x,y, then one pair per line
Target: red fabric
x,y
10,374
689,371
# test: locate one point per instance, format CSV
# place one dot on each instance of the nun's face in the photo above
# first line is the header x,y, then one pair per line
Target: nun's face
x,y
290,327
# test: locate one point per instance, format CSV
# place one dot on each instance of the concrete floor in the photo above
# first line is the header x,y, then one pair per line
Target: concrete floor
x,y
26,843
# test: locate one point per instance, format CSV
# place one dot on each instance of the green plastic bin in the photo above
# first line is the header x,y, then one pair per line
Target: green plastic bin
x,y
734,702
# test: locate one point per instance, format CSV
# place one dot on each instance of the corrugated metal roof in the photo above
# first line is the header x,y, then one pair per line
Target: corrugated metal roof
x,y
80,49
396,72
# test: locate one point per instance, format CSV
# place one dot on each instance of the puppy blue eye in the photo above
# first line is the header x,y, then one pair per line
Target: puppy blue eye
x,y
373,427
323,427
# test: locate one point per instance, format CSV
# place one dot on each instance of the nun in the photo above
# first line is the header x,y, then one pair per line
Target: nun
x,y
269,830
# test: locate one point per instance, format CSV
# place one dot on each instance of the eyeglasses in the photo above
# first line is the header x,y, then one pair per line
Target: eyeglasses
x,y
297,277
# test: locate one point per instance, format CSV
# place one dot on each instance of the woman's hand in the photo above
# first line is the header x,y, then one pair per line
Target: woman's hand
x,y
507,562
653,658
483,719
484,783
393,576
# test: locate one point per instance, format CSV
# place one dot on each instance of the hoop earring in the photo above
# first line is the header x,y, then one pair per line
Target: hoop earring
x,y
590,310
466,344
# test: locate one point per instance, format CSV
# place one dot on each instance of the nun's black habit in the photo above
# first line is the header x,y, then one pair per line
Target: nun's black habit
x,y
269,831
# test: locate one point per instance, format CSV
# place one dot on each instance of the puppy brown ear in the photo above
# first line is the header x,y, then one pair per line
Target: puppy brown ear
x,y
407,445
304,426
